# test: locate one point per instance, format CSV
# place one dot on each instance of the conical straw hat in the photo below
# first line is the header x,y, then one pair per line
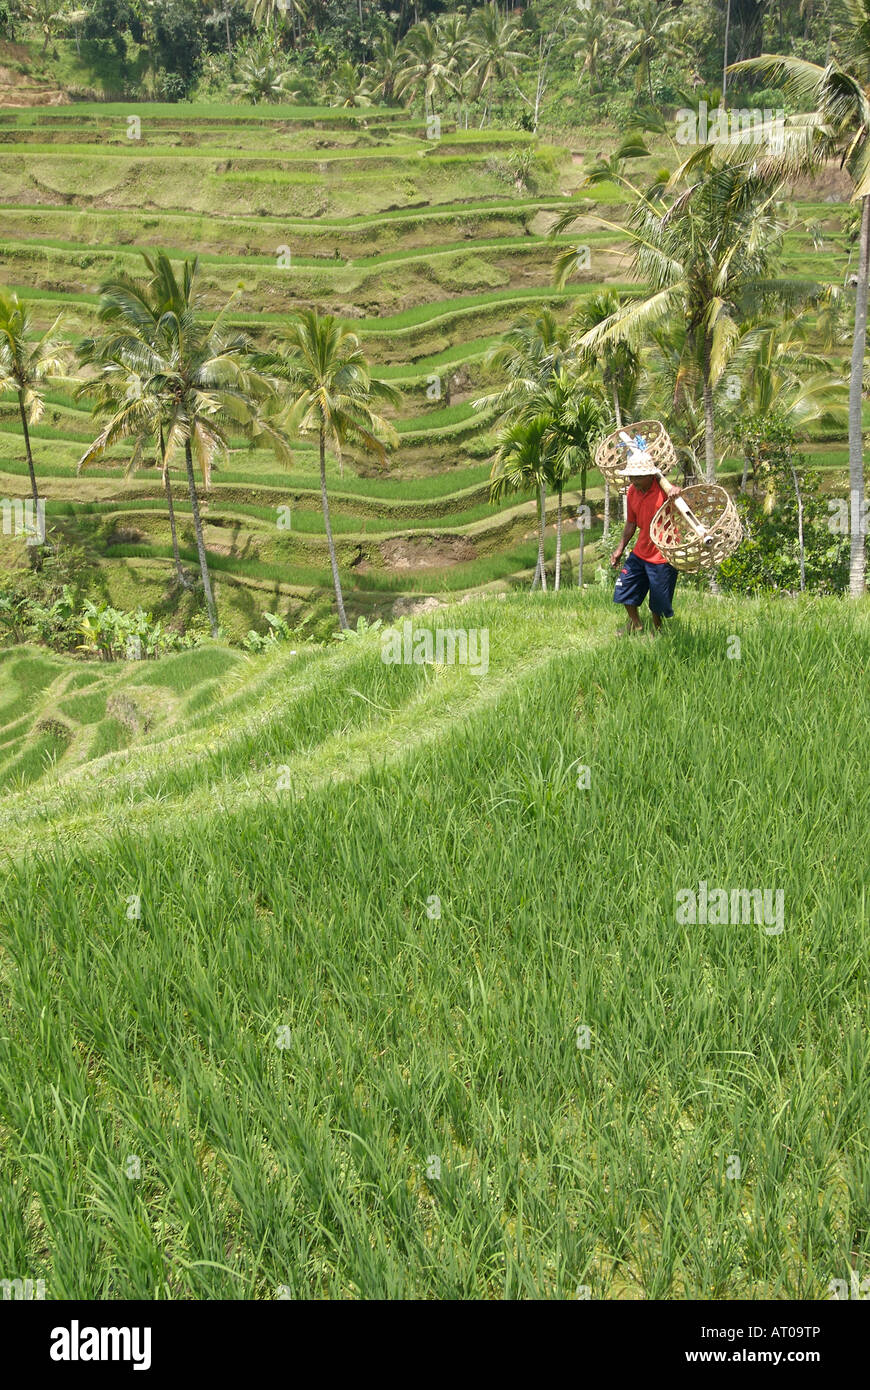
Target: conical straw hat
x,y
639,467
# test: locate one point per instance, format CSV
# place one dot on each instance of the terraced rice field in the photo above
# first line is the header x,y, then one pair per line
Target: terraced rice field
x,y
430,248
383,1005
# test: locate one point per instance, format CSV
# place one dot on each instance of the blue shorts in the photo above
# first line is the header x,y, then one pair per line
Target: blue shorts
x,y
637,578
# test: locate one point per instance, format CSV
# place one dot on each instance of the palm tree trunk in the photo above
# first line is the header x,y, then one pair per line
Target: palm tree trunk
x,y
558,540
580,557
542,514
709,437
709,422
856,384
342,619
725,63
617,415
200,543
800,507
27,449
582,529
171,507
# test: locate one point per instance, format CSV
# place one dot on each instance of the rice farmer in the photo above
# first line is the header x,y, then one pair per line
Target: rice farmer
x,y
646,571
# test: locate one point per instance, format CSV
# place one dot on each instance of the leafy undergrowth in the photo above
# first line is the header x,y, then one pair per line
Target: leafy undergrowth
x,y
381,993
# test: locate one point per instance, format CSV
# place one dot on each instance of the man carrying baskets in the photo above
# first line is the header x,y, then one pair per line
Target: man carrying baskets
x,y
646,571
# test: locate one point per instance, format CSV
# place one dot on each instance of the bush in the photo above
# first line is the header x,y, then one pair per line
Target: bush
x,y
768,559
49,605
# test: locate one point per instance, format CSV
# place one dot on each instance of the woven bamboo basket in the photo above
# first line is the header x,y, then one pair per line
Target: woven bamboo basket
x,y
611,454
671,533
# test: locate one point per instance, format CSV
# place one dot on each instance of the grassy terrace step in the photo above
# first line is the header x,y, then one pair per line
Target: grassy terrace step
x,y
225,501
224,141
413,227
420,157
130,183
74,421
387,283
42,248
396,338
204,114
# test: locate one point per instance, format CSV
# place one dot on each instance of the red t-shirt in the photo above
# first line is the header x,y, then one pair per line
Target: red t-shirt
x,y
642,507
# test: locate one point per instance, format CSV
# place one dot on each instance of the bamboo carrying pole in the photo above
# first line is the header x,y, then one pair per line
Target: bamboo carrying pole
x,y
697,526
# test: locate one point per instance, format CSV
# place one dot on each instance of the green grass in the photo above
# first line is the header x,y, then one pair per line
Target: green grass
x,y
287,845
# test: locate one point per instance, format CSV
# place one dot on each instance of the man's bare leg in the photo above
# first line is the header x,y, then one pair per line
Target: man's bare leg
x,y
634,622
657,622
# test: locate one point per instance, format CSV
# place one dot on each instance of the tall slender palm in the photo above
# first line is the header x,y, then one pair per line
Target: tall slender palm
x,y
493,42
530,353
453,37
117,391
28,364
331,394
649,34
385,66
618,363
593,26
218,16
423,69
522,464
839,126
576,418
195,375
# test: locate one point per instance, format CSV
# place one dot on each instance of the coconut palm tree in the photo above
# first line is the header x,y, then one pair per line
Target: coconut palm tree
x,y
493,42
28,364
269,13
593,27
707,254
530,353
452,32
522,464
331,393
350,88
576,418
618,363
839,126
262,80
196,378
118,393
649,34
423,67
385,66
